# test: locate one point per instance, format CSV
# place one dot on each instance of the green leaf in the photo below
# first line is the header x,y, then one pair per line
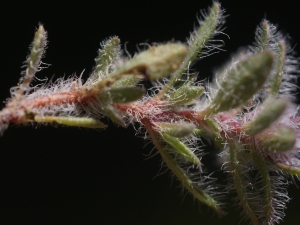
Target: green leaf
x,y
121,94
180,148
276,78
198,41
263,171
185,80
185,95
33,60
213,125
127,81
199,132
240,185
107,55
110,112
264,34
182,175
292,170
70,121
179,130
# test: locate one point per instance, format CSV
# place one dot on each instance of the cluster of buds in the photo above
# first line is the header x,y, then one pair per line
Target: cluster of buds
x,y
247,111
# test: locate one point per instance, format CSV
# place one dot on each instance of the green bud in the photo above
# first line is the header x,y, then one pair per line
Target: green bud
x,y
121,94
180,148
271,111
241,82
156,62
178,130
185,95
70,121
281,139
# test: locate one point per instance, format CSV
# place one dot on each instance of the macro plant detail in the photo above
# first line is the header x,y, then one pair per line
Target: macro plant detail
x,y
246,111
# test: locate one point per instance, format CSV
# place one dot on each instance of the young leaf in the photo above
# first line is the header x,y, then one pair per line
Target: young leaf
x,y
276,78
127,81
266,183
121,94
107,55
33,60
180,148
240,185
186,181
185,95
292,170
70,121
178,130
213,125
264,34
110,112
198,41
185,80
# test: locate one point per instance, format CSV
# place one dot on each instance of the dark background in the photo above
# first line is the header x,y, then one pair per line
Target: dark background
x,y
78,176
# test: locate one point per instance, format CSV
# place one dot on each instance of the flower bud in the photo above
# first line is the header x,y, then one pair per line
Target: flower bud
x,y
156,62
241,82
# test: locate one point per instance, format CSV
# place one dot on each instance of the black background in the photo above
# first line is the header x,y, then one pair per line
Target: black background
x,y
78,176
